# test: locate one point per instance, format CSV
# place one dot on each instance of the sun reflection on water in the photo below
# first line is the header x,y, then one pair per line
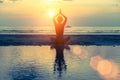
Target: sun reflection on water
x,y
37,63
107,69
79,51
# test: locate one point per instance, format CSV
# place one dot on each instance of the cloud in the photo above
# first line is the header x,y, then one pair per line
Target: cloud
x,y
1,1
14,0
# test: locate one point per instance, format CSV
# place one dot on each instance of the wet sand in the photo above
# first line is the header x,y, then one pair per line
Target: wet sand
x,y
36,39
37,63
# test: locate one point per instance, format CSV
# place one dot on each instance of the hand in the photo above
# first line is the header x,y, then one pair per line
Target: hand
x,y
60,12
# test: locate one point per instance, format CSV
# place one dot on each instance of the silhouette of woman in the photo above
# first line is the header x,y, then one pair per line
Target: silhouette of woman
x,y
59,22
59,65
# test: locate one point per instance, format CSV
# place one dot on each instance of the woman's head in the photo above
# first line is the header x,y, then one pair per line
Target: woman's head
x,y
59,19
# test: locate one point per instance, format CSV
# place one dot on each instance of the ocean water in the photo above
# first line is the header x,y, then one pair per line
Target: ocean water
x,y
42,63
76,62
74,30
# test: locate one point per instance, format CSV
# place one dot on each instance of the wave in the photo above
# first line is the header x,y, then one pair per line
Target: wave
x,y
72,30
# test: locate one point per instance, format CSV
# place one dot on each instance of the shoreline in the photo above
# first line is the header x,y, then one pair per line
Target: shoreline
x,y
39,39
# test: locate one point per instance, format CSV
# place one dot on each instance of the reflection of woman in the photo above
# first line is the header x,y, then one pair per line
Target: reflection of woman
x,y
60,64
59,22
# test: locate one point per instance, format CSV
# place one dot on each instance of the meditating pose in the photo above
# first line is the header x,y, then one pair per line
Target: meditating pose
x,y
59,22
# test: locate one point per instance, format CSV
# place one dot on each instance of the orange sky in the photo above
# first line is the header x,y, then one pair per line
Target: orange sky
x,y
79,12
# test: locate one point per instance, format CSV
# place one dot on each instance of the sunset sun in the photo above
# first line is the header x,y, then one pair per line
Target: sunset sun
x,y
51,13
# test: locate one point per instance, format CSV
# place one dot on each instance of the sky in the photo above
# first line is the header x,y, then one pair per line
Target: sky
x,y
78,12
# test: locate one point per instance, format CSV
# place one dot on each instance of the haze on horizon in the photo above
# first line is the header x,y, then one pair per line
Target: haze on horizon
x,y
79,12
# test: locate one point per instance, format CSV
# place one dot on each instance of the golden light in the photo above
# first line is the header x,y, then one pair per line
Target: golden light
x,y
51,1
51,13
104,67
79,51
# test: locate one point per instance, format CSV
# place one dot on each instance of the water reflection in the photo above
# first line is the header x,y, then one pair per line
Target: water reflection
x,y
59,63
24,72
42,63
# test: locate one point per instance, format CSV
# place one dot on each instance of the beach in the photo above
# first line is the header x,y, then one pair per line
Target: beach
x,y
36,39
28,53
38,63
59,40
83,57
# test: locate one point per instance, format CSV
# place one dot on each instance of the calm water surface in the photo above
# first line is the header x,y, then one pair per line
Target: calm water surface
x,y
73,30
44,63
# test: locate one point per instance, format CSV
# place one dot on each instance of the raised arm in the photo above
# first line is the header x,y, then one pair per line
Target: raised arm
x,y
60,18
65,18
54,19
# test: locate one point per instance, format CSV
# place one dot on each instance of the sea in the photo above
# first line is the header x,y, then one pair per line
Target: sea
x,y
70,30
61,62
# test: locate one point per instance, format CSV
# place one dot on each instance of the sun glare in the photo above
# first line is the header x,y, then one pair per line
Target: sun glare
x,y
51,0
51,13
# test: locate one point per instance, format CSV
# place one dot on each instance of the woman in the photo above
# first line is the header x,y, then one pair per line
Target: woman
x,y
59,22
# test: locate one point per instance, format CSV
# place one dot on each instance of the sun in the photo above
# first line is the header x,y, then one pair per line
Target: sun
x,y
51,13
